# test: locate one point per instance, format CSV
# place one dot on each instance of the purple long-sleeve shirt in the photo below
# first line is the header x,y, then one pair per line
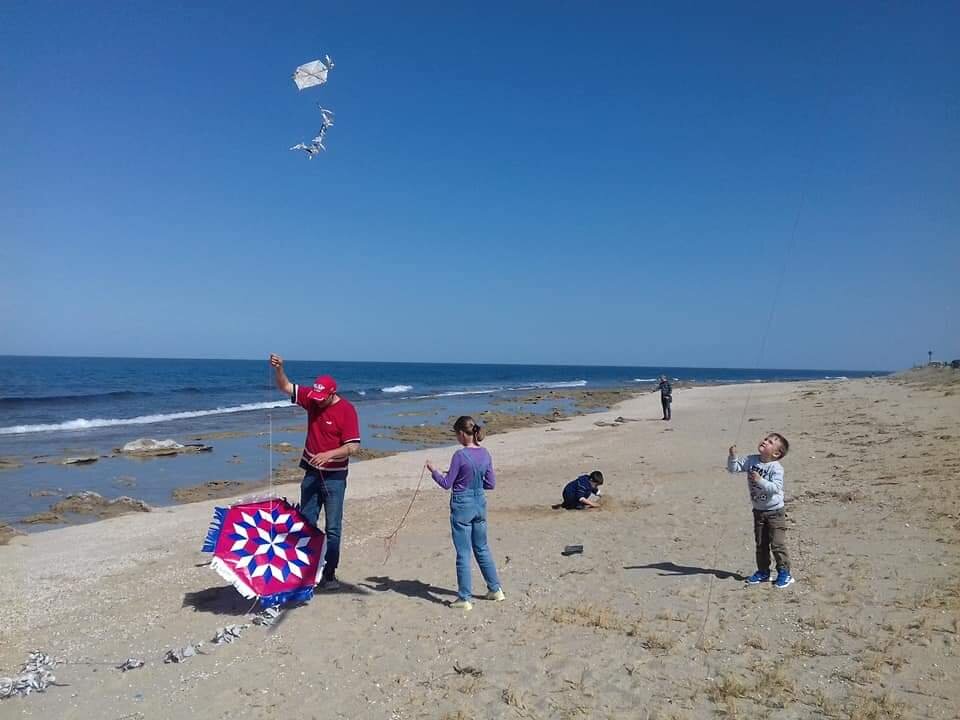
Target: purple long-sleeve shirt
x,y
460,476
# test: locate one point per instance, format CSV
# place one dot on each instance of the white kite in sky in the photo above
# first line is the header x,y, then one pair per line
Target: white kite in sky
x,y
308,75
313,73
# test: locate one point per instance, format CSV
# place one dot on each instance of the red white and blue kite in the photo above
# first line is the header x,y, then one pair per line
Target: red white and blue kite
x,y
266,550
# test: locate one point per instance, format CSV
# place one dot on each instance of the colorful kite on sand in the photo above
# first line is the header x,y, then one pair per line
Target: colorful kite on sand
x,y
266,550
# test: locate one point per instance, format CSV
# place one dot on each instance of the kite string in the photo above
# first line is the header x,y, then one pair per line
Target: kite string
x,y
390,539
763,345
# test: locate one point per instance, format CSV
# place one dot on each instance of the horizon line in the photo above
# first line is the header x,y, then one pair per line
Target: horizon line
x,y
420,362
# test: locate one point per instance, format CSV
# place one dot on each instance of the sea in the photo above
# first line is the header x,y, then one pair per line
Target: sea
x,y
57,407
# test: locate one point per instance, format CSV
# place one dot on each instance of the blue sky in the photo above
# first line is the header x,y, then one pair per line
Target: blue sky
x,y
518,182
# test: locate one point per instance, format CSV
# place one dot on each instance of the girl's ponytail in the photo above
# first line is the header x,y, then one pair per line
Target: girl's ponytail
x,y
467,426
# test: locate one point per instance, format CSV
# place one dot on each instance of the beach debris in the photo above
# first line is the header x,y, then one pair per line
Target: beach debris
x,y
266,550
178,655
36,675
130,664
88,502
466,669
148,447
309,75
228,634
572,550
267,616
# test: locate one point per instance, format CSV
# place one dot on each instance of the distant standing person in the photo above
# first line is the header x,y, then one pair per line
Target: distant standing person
x,y
666,395
333,435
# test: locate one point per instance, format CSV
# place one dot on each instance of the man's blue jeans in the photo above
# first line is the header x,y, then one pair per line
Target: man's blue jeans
x,y
325,489
468,525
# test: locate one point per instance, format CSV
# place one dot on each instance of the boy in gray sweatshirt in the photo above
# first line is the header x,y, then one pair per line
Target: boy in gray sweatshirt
x,y
765,484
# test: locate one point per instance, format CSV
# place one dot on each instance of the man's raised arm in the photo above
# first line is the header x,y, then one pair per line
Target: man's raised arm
x,y
283,382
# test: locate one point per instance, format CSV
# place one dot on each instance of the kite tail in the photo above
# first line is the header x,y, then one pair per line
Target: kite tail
x,y
213,532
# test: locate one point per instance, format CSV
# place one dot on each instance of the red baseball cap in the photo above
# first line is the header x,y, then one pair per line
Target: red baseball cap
x,y
323,387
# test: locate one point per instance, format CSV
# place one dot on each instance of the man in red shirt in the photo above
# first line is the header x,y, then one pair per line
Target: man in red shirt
x,y
333,435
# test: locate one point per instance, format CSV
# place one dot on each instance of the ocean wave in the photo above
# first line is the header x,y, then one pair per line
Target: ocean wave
x,y
645,379
457,393
64,399
552,385
397,389
836,377
516,388
85,424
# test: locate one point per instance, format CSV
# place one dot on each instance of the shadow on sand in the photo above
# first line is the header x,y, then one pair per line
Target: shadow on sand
x,y
225,600
410,588
672,569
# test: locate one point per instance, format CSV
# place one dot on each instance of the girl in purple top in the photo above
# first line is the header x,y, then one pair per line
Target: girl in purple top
x,y
471,471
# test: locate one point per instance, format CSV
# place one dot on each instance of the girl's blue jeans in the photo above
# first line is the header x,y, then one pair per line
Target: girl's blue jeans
x,y
468,525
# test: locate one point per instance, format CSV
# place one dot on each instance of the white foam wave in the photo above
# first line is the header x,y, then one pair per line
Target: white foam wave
x,y
518,388
84,424
549,385
836,377
397,389
456,393
645,379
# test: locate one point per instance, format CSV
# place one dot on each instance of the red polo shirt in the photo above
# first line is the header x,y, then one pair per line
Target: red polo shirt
x,y
327,428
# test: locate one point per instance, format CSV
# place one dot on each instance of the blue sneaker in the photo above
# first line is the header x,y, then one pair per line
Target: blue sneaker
x,y
760,576
784,579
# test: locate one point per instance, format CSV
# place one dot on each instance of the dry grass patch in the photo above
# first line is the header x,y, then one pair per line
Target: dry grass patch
x,y
854,630
877,707
514,698
588,616
726,690
659,641
818,621
672,615
757,641
808,647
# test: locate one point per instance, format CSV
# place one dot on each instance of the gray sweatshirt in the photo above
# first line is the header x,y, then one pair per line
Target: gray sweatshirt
x,y
767,492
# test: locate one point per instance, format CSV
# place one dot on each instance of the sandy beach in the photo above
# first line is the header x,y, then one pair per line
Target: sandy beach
x,y
651,621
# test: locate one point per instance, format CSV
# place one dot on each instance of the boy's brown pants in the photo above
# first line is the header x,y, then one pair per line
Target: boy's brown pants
x,y
770,533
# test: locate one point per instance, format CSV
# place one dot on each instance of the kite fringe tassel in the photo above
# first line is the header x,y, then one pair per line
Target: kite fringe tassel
x,y
293,596
213,532
227,573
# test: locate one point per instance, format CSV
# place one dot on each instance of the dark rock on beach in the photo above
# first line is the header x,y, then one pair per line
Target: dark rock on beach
x,y
45,493
368,454
148,448
212,490
9,463
43,518
80,460
91,503
282,447
7,533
